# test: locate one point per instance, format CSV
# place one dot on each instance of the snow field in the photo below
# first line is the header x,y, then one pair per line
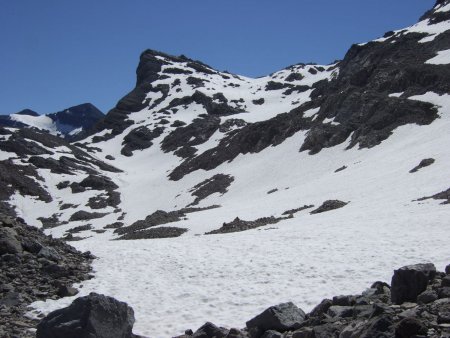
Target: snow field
x,y
175,284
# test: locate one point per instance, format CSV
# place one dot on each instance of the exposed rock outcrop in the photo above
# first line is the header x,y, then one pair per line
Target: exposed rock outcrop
x,y
33,267
238,225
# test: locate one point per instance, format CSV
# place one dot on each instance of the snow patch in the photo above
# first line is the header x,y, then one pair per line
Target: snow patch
x,y
442,58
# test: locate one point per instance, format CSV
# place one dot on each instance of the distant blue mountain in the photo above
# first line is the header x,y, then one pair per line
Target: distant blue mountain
x,y
71,123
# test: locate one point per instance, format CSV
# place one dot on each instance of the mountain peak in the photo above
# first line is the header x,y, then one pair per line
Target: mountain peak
x,y
27,112
151,63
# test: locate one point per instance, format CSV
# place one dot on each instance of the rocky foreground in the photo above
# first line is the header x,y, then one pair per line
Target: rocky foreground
x,y
34,267
416,304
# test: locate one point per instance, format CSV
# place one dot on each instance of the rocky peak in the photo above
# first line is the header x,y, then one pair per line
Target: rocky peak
x,y
151,62
80,118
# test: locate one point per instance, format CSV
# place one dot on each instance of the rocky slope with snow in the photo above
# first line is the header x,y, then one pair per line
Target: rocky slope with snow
x,y
240,192
34,267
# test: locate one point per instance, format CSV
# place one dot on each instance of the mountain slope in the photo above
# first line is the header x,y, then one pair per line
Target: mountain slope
x,y
195,151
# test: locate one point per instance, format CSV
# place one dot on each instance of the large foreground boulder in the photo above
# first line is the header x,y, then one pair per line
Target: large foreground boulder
x,y
92,316
410,281
281,318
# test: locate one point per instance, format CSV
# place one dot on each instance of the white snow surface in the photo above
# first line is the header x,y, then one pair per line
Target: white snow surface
x,y
396,94
179,283
442,58
444,8
41,122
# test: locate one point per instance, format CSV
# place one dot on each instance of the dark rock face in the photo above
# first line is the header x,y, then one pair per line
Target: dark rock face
x,y
424,163
273,85
410,281
209,330
96,182
28,146
159,217
238,225
183,139
219,183
161,232
250,139
110,198
294,77
232,124
329,205
410,327
85,215
281,318
84,116
14,177
259,101
443,195
95,316
212,108
293,211
139,138
33,267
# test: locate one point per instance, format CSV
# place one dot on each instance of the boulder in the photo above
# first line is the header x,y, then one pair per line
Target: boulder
x,y
281,318
272,334
340,311
410,281
92,316
209,330
235,333
31,245
427,296
49,253
344,300
329,205
8,241
305,332
410,327
354,329
326,330
444,292
322,308
67,291
379,327
445,281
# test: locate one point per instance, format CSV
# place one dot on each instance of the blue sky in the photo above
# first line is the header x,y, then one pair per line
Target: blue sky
x,y
58,53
